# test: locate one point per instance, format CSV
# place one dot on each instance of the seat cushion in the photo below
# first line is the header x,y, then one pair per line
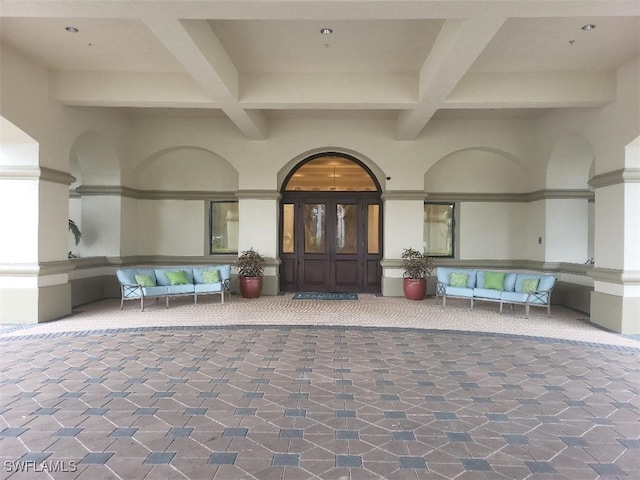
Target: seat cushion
x,y
207,287
487,293
458,291
518,297
154,291
180,289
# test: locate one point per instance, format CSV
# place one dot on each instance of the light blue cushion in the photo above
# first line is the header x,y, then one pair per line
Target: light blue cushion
x,y
208,287
458,291
546,282
154,291
487,293
510,281
128,275
514,297
225,272
180,289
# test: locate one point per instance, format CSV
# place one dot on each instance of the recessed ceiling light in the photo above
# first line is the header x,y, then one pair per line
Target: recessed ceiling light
x,y
326,31
588,26
72,29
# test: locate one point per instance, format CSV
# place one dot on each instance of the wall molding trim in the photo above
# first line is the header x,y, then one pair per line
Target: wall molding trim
x,y
258,194
623,175
118,191
115,190
404,195
33,172
610,275
35,269
534,265
513,197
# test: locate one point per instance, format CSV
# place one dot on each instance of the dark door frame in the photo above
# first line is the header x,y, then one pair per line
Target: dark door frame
x,y
366,265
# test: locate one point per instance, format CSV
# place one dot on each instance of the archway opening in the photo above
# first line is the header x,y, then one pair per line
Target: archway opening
x,y
330,226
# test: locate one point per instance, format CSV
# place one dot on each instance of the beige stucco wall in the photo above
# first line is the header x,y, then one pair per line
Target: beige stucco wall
x,y
195,154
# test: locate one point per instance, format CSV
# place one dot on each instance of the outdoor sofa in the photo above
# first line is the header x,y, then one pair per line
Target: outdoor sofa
x,y
514,288
166,282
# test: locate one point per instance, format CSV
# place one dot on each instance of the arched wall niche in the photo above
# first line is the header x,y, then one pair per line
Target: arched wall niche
x,y
186,168
477,170
94,160
292,164
571,163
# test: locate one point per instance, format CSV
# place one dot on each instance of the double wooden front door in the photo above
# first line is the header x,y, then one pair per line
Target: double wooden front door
x,y
330,243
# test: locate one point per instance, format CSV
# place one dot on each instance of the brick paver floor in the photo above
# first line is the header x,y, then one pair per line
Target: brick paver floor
x,y
296,389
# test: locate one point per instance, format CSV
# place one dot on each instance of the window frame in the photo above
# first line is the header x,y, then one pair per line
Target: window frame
x,y
210,230
452,205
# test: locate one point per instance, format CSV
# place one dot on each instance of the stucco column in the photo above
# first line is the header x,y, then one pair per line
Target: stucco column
x,y
33,263
403,217
615,301
258,228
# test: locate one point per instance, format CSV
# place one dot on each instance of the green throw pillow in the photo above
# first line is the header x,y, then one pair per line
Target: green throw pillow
x,y
458,279
211,276
178,278
530,285
494,280
145,280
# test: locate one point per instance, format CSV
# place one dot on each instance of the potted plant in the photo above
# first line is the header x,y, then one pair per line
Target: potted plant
x,y
417,267
250,266
75,231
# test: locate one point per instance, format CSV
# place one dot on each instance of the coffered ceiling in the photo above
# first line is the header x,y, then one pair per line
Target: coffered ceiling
x,y
256,61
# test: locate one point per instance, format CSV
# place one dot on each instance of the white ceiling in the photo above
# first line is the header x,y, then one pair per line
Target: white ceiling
x,y
408,61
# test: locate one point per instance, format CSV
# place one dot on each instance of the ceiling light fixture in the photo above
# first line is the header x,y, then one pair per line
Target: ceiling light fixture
x,y
72,29
326,31
588,26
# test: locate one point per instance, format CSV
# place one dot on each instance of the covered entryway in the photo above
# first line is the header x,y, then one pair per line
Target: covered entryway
x,y
330,227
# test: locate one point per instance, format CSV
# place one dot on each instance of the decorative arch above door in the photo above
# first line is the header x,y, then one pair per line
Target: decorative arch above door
x,y
330,227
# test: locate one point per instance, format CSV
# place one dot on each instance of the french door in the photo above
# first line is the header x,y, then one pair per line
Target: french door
x,y
330,243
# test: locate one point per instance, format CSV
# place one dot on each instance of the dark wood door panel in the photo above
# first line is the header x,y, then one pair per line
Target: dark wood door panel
x,y
346,275
335,260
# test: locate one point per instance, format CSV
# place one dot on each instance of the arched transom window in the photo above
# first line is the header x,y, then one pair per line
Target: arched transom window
x,y
331,174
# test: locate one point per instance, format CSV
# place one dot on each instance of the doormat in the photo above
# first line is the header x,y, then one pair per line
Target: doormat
x,y
324,296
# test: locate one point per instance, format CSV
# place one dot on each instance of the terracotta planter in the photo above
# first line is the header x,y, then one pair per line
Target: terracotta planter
x,y
414,288
250,287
